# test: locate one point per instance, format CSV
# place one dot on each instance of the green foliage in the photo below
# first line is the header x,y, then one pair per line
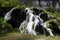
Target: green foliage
x,y
5,4
57,16
9,3
54,18
53,21
21,7
13,3
4,26
49,9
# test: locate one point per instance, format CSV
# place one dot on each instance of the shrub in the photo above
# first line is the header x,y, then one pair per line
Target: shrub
x,y
4,26
13,3
52,23
5,4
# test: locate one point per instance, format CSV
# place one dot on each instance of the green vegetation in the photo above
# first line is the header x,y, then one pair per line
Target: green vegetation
x,y
54,16
4,26
18,36
9,3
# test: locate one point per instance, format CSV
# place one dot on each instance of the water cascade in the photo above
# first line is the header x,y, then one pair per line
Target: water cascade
x,y
8,14
29,25
45,27
32,21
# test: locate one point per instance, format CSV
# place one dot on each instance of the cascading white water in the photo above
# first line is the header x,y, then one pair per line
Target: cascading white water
x,y
43,24
8,14
23,27
30,26
45,27
30,23
41,21
36,21
7,17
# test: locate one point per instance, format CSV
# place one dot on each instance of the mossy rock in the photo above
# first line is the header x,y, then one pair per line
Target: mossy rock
x,y
52,23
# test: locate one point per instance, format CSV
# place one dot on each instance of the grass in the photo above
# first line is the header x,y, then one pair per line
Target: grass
x,y
19,36
16,36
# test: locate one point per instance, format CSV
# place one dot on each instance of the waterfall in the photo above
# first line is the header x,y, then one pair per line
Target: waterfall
x,y
36,21
43,24
23,26
45,27
8,14
30,23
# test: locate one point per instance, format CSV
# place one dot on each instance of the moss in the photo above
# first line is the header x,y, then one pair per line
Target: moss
x,y
51,23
